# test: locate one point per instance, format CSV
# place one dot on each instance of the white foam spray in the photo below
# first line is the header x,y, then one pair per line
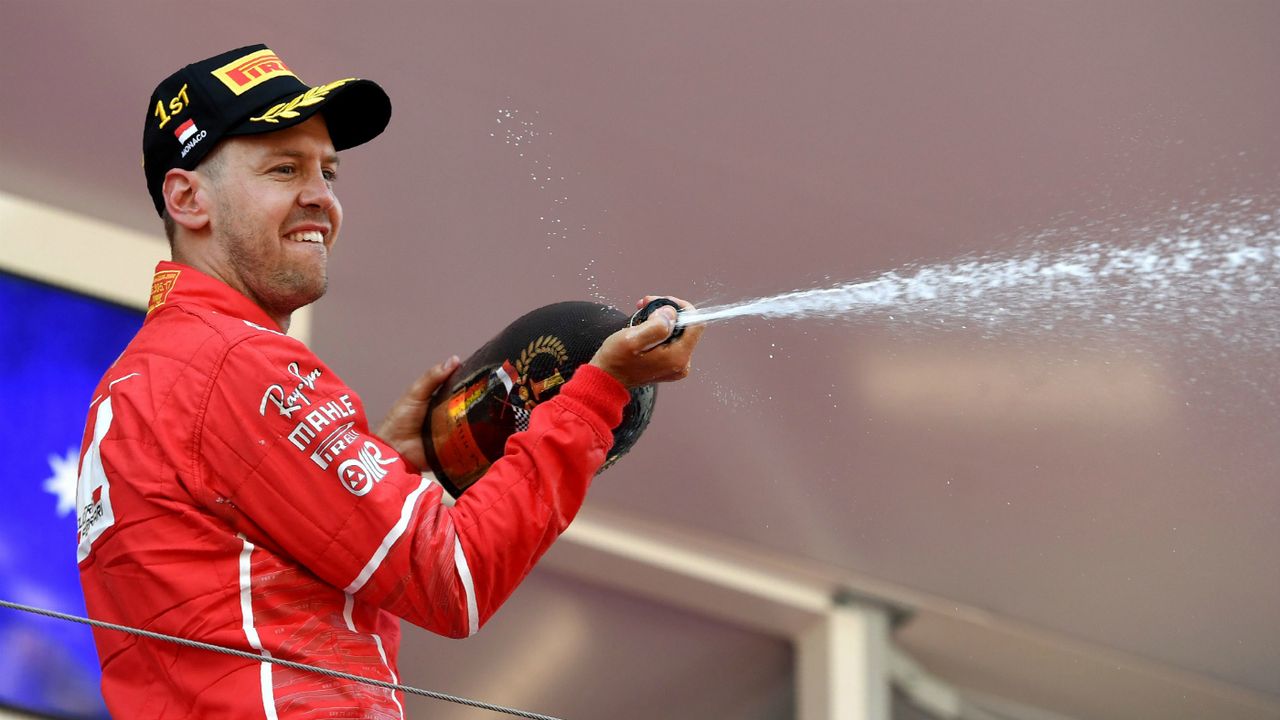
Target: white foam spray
x,y
565,229
1204,272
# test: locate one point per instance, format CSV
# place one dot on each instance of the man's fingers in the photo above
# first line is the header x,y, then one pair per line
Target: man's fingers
x,y
403,425
693,332
654,331
641,355
446,368
425,385
441,372
684,304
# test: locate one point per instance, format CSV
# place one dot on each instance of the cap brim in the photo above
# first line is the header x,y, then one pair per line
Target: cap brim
x,y
355,112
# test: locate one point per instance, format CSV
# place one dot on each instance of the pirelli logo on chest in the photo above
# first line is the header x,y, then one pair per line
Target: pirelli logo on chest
x,y
161,284
244,74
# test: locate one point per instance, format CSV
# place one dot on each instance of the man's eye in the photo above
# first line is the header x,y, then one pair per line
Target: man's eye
x,y
330,175
284,170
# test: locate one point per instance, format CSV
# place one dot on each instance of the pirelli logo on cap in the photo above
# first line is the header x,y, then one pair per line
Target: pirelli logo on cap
x,y
243,74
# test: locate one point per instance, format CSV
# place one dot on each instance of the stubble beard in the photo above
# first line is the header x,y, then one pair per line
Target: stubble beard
x,y
280,289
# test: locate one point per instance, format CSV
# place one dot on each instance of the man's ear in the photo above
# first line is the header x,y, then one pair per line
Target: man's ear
x,y
184,198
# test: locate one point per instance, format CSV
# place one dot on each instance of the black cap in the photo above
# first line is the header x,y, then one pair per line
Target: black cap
x,y
247,91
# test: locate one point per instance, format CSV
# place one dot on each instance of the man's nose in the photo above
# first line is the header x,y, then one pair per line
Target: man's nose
x,y
317,192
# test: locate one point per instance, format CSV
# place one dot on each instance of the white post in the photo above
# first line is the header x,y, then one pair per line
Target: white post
x,y
842,664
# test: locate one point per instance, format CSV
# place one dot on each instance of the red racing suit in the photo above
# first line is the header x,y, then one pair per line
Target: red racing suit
x,y
230,491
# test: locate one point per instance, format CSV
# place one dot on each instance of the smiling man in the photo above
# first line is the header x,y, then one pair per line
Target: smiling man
x,y
231,490
277,215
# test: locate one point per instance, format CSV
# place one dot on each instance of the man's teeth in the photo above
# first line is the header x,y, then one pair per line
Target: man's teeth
x,y
314,236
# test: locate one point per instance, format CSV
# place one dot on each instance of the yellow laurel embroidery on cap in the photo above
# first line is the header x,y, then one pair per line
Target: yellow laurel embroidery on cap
x,y
245,73
289,110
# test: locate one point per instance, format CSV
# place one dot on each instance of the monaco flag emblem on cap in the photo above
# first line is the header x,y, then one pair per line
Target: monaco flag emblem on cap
x,y
184,131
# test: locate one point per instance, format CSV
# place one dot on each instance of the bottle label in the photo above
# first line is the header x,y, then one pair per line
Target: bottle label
x,y
459,454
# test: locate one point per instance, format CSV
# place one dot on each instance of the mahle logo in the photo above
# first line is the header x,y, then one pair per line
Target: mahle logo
x,y
244,74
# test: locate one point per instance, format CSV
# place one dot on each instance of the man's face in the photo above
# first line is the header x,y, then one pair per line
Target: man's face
x,y
274,216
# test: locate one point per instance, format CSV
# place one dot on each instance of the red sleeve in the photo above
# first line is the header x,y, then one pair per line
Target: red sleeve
x,y
509,517
285,454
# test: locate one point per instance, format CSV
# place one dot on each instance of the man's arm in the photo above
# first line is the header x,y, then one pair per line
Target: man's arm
x,y
287,456
633,356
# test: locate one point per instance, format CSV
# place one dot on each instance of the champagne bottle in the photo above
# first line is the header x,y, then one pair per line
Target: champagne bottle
x,y
492,393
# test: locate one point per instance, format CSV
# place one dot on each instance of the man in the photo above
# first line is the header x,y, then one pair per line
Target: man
x,y
210,502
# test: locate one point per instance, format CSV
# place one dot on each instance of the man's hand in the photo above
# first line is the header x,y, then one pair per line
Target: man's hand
x,y
402,429
636,356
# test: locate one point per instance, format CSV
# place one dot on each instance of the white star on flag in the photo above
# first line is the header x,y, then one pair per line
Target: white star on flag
x,y
63,483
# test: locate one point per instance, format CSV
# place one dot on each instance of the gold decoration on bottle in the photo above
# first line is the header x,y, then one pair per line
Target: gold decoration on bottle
x,y
544,345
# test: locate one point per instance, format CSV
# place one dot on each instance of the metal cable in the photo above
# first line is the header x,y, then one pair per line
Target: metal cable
x,y
277,661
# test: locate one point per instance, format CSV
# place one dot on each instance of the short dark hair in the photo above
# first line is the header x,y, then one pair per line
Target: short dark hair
x,y
170,227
